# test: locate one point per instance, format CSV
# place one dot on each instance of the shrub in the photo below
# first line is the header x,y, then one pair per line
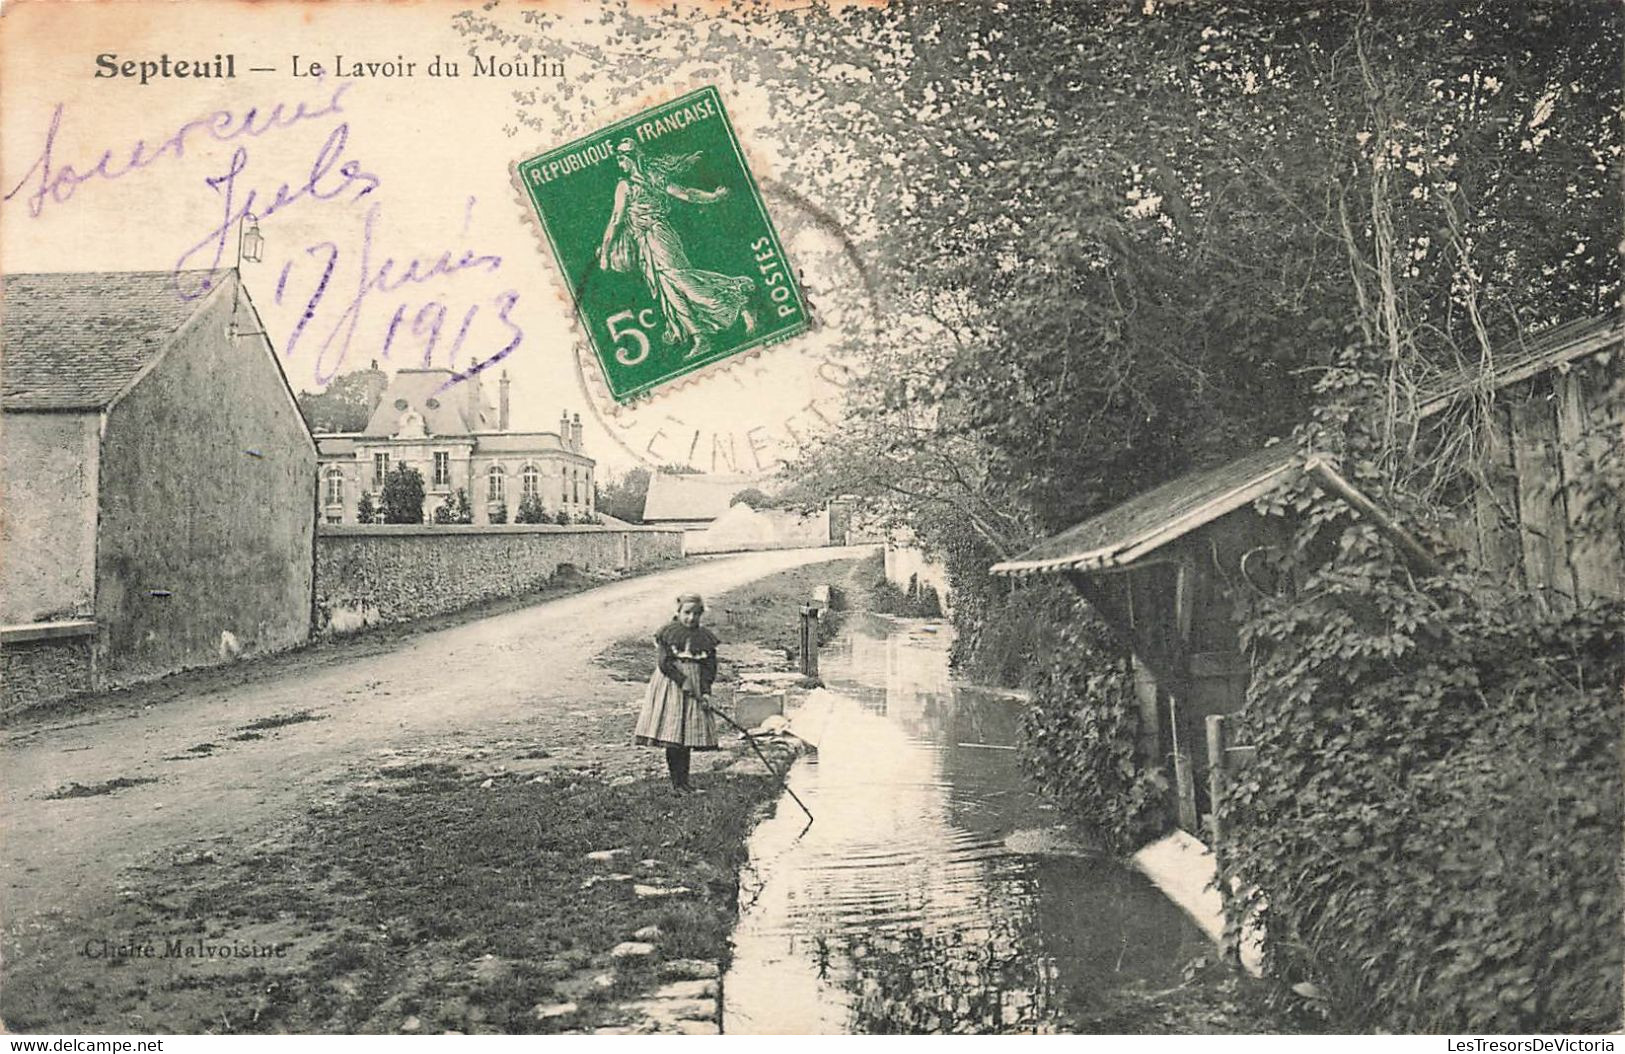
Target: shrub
x,y
403,495
498,513
366,511
1080,737
1021,631
530,510
913,602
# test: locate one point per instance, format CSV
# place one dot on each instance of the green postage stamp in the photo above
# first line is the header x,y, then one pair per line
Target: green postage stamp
x,y
661,234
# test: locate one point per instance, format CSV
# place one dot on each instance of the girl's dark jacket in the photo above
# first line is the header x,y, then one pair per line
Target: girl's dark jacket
x,y
675,641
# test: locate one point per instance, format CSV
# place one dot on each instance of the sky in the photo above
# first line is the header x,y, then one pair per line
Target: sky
x,y
392,230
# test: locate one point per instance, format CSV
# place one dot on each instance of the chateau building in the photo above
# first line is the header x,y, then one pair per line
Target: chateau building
x,y
456,441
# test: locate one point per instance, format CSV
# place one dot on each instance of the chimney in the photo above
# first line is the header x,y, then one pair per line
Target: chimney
x,y
474,406
374,384
575,433
564,429
502,402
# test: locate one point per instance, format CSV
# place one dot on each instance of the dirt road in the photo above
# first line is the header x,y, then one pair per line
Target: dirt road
x,y
525,675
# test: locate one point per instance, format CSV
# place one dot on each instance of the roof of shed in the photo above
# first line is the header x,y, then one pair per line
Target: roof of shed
x,y
76,341
675,496
1524,357
1148,521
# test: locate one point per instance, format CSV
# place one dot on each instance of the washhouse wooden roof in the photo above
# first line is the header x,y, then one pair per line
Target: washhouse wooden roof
x,y
1151,520
1129,531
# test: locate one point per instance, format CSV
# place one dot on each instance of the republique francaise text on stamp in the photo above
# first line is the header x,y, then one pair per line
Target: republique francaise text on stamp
x,y
665,245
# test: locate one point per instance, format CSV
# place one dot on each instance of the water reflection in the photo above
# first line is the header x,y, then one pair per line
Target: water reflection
x,y
900,909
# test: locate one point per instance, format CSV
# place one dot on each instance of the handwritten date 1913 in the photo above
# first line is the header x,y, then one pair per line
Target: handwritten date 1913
x,y
417,328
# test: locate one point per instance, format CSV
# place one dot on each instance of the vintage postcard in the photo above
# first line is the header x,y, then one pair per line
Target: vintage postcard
x,y
928,517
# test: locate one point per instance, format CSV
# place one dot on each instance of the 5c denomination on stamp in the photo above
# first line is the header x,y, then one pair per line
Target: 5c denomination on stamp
x,y
665,245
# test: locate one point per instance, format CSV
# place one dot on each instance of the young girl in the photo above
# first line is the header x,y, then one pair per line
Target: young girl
x,y
675,714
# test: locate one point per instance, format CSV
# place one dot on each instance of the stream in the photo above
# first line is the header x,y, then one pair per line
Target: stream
x,y
935,893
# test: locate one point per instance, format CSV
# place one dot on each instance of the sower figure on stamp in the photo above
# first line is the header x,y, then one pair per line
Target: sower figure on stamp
x,y
676,708
696,303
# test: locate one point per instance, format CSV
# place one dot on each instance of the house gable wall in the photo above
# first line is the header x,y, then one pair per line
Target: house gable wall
x,y
208,474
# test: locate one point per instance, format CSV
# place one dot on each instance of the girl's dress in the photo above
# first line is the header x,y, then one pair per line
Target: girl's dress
x,y
672,715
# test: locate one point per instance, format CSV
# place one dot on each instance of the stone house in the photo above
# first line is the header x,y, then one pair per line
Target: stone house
x,y
446,429
156,479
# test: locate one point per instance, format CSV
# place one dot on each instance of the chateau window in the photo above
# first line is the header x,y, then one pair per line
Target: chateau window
x,y
498,484
335,486
380,469
530,481
442,468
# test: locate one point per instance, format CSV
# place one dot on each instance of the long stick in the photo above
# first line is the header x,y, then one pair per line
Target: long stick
x,y
783,782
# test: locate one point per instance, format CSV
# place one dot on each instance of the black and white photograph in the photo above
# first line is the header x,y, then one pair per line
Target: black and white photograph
x,y
760,517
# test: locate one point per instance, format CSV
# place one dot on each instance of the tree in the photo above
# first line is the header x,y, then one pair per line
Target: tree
x,y
530,510
623,497
752,497
499,512
464,509
366,510
344,406
403,495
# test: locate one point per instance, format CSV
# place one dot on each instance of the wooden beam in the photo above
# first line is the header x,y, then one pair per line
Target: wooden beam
x,y
1408,545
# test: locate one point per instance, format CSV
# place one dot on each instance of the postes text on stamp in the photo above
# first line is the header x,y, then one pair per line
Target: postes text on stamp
x,y
667,249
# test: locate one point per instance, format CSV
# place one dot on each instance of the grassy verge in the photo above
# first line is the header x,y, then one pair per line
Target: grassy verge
x,y
430,902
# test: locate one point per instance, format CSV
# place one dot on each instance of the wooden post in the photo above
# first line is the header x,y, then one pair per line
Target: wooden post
x,y
1216,746
1145,694
809,640
1184,778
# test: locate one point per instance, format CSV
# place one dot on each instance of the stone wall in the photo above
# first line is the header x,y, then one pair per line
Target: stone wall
x,y
395,572
743,529
44,662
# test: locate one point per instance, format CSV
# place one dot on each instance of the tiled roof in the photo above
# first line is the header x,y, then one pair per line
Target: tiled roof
x,y
516,442
445,412
75,341
674,496
1144,523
